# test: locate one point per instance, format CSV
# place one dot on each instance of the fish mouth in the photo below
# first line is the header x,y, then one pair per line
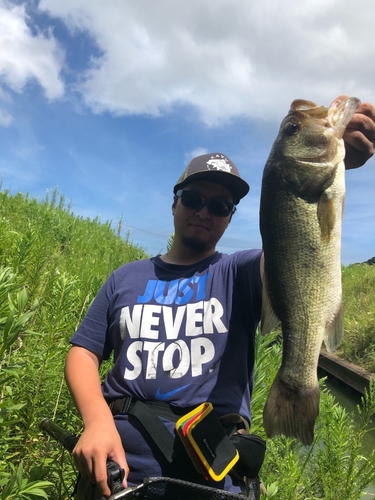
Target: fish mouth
x,y
340,113
336,117
330,122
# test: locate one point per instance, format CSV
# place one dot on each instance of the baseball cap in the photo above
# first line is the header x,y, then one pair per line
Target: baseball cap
x,y
214,167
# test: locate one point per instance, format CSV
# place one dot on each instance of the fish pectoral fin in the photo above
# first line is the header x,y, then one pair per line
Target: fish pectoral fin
x,y
326,215
334,332
269,321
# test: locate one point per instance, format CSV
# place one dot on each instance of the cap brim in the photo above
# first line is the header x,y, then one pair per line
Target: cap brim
x,y
237,186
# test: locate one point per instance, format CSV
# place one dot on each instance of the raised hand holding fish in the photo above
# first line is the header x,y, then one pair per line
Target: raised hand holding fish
x,y
359,136
302,200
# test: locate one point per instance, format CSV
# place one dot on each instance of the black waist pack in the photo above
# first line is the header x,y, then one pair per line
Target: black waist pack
x,y
251,449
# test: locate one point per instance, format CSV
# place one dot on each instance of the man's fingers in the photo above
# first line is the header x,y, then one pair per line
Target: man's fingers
x,y
94,470
101,477
123,464
360,136
364,119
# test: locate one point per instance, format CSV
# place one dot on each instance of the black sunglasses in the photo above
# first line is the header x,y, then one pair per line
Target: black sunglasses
x,y
195,201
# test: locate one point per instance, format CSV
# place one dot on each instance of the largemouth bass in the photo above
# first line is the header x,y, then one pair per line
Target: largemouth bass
x,y
301,209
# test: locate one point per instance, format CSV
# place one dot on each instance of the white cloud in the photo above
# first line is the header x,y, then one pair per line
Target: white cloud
x,y
195,152
27,56
226,58
5,118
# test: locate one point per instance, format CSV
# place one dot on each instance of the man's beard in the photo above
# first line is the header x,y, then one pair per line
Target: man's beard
x,y
194,244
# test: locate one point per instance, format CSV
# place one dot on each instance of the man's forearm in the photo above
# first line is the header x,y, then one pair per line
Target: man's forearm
x,y
82,378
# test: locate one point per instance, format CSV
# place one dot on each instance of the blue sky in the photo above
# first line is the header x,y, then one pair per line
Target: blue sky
x,y
107,100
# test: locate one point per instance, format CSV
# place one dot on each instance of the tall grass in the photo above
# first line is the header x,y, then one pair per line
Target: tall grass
x,y
52,264
359,310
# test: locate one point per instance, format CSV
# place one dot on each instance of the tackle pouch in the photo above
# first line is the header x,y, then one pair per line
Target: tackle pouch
x,y
252,450
206,442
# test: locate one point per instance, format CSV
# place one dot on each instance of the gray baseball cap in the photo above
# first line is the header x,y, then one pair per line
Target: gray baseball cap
x,y
214,167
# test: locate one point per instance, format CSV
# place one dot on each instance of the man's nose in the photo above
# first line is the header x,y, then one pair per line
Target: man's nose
x,y
203,213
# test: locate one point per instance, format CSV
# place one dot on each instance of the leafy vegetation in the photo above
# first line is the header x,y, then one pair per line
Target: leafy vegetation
x,y
359,308
52,264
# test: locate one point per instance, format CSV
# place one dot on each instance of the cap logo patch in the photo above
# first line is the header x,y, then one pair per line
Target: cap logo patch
x,y
219,162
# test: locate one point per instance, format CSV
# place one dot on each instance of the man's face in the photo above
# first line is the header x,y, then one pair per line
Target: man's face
x,y
199,229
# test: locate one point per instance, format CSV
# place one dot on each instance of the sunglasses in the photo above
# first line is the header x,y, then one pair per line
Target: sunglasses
x,y
195,201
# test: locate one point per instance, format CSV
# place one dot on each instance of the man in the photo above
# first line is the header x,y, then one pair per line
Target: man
x,y
181,326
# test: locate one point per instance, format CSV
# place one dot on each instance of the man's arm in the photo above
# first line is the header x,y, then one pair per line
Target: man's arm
x,y
100,440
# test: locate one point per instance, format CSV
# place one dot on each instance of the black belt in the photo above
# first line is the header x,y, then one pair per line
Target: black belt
x,y
147,413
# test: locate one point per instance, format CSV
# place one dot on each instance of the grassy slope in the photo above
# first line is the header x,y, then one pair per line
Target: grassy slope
x,y
52,264
359,309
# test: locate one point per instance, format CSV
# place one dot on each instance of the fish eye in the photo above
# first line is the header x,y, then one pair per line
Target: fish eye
x,y
291,128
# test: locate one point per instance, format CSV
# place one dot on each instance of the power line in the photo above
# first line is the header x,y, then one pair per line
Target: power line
x,y
165,237
145,231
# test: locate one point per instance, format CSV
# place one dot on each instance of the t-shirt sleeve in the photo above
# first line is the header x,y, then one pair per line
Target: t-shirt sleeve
x,y
248,265
92,332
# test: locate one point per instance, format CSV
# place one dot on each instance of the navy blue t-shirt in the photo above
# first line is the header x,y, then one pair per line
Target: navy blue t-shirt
x,y
180,334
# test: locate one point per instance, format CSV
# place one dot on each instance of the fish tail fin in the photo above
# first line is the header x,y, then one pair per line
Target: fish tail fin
x,y
291,411
334,332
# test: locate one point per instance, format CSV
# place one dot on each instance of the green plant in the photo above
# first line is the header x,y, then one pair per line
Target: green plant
x,y
21,488
359,308
52,265
170,242
14,316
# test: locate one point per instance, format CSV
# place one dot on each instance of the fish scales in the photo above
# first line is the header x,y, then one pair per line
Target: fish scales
x,y
303,190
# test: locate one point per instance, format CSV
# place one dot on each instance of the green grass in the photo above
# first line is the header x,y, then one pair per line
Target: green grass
x,y
359,310
52,264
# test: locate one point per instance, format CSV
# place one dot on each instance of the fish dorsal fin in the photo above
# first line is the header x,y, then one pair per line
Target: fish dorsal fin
x,y
334,332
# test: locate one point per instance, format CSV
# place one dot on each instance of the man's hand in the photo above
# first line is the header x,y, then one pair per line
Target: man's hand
x,y
359,136
99,441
